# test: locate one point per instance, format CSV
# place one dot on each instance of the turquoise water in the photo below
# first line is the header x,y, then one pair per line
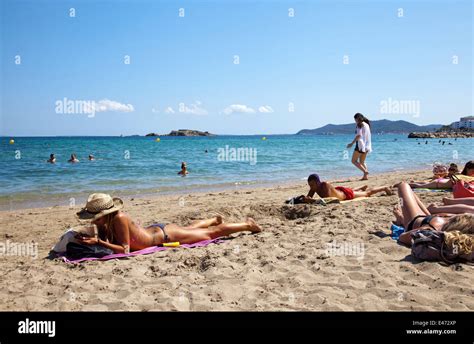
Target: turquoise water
x,y
133,166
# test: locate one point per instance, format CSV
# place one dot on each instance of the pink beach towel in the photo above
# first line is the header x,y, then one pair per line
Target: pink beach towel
x,y
147,250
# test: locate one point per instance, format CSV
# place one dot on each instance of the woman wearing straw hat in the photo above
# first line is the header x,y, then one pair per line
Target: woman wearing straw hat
x,y
118,232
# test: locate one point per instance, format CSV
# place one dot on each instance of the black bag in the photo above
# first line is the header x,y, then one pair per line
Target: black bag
x,y
430,245
296,200
78,251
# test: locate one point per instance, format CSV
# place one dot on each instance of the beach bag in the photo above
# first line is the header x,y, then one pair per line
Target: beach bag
x,y
295,200
429,245
78,251
462,189
70,236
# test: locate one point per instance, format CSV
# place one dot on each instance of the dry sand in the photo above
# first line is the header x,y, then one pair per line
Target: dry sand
x,y
286,267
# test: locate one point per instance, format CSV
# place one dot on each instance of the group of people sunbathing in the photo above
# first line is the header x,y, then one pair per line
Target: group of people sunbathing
x,y
119,233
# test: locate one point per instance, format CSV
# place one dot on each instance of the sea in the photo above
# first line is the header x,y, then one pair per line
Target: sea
x,y
144,166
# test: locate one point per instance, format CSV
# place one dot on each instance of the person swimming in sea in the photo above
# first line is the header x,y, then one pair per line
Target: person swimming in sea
x,y
91,157
120,233
73,158
325,189
184,170
52,159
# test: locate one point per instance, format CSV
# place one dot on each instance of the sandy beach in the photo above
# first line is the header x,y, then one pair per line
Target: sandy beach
x,y
287,267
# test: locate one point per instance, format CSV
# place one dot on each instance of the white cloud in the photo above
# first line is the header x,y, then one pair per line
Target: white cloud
x,y
265,109
238,108
111,105
169,109
193,109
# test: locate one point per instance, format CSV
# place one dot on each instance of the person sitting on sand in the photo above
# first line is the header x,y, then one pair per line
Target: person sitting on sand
x,y
184,170
73,158
52,159
453,170
91,157
118,232
325,189
413,215
467,174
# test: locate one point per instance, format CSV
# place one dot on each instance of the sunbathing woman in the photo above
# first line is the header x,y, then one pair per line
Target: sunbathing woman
x,y
118,232
440,174
467,174
454,206
325,189
413,215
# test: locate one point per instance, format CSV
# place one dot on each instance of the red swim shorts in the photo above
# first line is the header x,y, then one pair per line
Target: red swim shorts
x,y
347,191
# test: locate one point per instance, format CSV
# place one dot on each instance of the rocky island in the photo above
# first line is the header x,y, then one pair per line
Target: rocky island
x,y
464,128
184,132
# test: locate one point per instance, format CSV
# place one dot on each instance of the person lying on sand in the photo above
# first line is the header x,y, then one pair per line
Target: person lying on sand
x,y
440,173
454,206
184,170
118,232
413,215
467,174
325,189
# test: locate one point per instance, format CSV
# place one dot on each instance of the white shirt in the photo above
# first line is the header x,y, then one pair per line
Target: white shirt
x,y
364,143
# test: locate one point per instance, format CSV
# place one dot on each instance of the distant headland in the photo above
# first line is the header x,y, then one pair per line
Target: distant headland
x,y
378,127
184,132
464,128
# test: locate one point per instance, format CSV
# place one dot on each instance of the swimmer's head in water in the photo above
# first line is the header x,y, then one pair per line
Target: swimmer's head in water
x,y
183,165
314,180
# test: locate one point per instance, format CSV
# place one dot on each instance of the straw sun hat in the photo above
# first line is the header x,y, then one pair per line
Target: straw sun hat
x,y
98,205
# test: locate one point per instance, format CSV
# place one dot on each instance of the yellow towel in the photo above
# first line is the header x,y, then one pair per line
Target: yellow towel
x,y
465,178
329,200
355,199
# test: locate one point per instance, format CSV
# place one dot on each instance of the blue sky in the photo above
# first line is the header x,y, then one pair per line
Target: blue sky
x,y
190,61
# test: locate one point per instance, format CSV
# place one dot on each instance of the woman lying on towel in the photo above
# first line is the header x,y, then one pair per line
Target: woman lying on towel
x,y
325,189
467,175
413,215
118,232
454,206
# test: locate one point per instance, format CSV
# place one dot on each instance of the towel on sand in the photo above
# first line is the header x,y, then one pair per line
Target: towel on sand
x,y
147,250
325,200
396,231
431,190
